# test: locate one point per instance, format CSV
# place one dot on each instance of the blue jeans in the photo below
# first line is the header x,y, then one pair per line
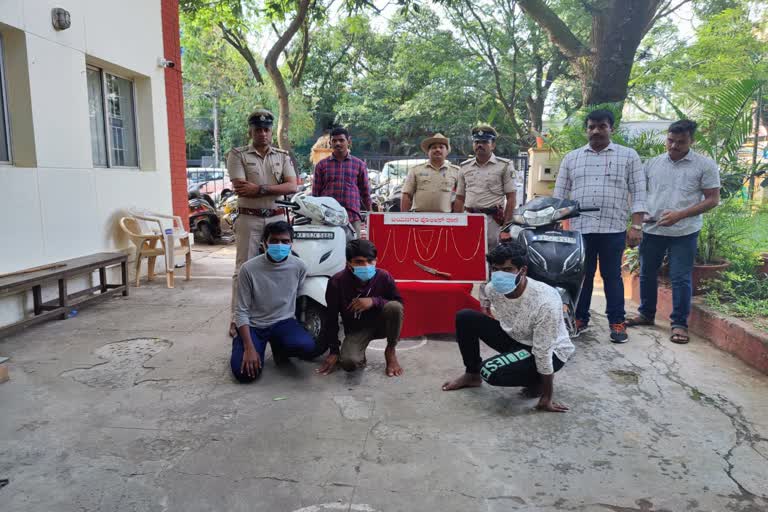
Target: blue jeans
x,y
682,251
608,248
288,337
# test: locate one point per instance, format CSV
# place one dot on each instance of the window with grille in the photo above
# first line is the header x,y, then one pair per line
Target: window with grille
x,y
112,112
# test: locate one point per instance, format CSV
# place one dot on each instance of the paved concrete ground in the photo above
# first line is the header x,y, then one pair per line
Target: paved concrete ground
x,y
130,407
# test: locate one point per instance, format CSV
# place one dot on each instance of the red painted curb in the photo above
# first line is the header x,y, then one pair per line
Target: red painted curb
x,y
727,333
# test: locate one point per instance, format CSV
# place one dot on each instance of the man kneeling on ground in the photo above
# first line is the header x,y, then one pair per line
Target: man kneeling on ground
x,y
527,327
370,308
266,306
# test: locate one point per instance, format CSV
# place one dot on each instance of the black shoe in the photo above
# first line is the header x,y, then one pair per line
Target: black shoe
x,y
619,333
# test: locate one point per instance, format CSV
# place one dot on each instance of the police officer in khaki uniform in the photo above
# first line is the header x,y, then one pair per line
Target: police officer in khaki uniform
x,y
428,187
487,184
260,174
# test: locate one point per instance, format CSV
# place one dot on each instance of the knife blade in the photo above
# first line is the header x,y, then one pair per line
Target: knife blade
x,y
434,272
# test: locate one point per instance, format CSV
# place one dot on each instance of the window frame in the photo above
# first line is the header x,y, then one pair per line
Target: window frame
x,y
4,114
107,128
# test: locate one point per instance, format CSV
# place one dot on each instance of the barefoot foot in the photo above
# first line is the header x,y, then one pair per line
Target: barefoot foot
x,y
468,380
393,366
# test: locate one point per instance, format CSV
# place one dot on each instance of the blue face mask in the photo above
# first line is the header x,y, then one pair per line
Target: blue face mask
x,y
504,282
365,273
278,252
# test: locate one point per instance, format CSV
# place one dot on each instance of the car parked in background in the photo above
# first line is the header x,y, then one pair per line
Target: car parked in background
x,y
394,172
209,181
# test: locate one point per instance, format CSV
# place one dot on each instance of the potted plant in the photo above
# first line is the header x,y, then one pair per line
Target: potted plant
x,y
724,228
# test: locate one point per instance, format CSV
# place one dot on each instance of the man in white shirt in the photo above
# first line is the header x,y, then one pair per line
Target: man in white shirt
x,y
525,325
682,185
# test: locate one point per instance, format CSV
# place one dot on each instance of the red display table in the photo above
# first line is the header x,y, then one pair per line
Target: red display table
x,y
430,308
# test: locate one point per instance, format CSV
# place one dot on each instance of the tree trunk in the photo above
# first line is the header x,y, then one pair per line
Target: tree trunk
x,y
270,63
617,31
604,67
535,108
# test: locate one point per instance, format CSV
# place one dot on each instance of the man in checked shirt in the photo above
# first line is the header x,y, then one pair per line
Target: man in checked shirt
x,y
610,177
344,178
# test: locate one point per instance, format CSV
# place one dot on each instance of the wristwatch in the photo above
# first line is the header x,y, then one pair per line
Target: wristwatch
x,y
637,227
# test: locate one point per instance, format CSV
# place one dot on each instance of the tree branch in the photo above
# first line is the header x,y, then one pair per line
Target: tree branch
x,y
236,39
646,112
304,54
663,12
270,63
558,32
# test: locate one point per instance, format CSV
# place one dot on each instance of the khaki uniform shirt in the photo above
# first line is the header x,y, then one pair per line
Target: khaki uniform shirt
x,y
486,186
245,163
431,188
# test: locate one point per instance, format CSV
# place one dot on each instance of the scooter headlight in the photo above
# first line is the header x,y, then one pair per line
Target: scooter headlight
x,y
518,219
539,218
334,218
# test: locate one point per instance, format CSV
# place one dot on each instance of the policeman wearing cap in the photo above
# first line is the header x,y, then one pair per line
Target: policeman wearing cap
x,y
428,187
487,184
260,174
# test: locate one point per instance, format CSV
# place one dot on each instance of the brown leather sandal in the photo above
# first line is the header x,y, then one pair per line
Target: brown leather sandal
x,y
681,338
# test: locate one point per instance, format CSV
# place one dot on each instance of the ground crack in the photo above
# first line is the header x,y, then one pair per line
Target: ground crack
x,y
743,428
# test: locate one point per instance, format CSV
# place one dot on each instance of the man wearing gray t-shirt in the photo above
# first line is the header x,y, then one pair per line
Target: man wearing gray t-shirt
x,y
682,185
266,306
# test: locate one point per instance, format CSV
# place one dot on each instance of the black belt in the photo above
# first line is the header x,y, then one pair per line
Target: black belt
x,y
260,212
486,211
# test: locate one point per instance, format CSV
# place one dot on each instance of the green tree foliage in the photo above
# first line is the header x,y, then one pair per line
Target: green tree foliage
x,y
603,61
242,21
727,47
215,72
512,59
396,85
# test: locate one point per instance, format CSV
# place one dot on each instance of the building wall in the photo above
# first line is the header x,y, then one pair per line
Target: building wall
x,y
57,205
174,94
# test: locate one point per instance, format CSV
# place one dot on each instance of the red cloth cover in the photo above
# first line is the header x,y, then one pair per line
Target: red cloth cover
x,y
430,308
438,241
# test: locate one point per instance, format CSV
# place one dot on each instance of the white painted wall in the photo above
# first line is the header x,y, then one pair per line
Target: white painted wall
x,y
63,207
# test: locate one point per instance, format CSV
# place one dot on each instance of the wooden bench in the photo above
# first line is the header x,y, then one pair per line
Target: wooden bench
x,y
62,271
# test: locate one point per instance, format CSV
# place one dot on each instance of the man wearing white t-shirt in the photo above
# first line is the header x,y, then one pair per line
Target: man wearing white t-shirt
x,y
525,325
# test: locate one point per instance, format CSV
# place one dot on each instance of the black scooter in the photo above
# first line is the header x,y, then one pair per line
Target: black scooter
x,y
555,256
203,219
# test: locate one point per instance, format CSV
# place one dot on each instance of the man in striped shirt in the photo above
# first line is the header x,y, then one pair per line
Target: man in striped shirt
x,y
610,177
344,178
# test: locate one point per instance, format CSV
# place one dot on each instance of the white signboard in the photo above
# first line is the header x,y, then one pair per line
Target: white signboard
x,y
426,219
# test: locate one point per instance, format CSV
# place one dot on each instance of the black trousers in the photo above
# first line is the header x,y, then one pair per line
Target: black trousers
x,y
515,366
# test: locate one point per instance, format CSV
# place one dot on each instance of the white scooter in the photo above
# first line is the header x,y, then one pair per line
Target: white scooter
x,y
321,230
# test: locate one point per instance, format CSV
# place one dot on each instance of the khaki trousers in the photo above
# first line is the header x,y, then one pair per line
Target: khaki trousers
x,y
388,326
248,232
492,231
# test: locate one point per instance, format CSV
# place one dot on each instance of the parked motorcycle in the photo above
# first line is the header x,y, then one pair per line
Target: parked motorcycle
x,y
203,218
378,199
555,255
228,212
321,230
392,204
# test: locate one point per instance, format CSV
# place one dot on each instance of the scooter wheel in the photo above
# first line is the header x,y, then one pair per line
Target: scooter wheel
x,y
204,234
